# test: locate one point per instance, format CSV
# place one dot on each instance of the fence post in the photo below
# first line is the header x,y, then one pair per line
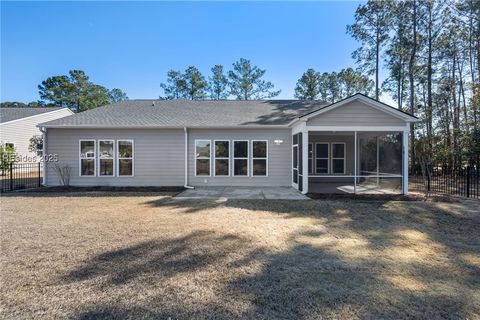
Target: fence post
x,y
468,182
11,176
39,175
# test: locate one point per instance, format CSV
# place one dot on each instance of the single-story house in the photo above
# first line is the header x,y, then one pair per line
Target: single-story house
x,y
354,145
19,125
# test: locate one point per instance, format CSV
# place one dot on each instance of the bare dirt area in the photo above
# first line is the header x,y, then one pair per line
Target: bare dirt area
x,y
144,255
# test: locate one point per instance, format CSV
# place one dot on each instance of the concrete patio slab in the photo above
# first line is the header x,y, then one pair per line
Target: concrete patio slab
x,y
225,193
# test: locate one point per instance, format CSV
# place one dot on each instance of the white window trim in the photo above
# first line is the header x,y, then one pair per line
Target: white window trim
x,y
119,158
241,158
113,158
311,158
259,158
327,158
220,158
204,158
80,158
344,158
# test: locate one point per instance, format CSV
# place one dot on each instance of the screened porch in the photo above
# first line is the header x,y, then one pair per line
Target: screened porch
x,y
351,162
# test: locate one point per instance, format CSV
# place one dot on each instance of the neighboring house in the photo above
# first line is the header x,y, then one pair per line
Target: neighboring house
x,y
354,145
19,125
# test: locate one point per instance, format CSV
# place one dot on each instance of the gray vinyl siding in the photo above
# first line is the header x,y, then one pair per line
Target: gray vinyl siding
x,y
279,157
20,131
355,113
159,156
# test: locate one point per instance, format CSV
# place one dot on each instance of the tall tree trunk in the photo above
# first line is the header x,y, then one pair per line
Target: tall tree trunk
x,y
377,58
461,93
429,85
455,112
412,86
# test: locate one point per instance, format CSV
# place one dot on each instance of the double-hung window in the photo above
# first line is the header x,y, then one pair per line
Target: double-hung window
x,y
125,156
202,157
322,155
105,156
259,158
222,158
338,158
87,157
240,158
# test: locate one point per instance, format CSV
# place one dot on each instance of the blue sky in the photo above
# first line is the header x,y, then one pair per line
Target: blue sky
x,y
132,45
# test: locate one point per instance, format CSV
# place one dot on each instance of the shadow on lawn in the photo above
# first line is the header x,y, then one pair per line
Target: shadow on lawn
x,y
308,280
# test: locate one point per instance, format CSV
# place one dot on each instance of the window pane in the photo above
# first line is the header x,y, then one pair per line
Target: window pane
x,y
322,165
221,167
390,153
106,167
221,149
87,167
203,148
125,167
259,149
87,149
322,150
310,150
295,139
337,165
125,149
310,164
106,149
338,150
295,157
368,155
295,176
240,149
260,167
203,167
241,167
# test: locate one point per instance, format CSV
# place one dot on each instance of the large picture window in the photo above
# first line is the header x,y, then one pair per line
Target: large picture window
x,y
338,158
202,157
87,157
105,156
259,158
240,158
222,158
322,158
125,156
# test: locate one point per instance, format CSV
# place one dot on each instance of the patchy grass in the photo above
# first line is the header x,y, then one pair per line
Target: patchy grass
x,y
146,256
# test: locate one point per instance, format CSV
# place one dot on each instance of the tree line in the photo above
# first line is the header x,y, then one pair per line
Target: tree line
x,y
74,91
243,82
431,53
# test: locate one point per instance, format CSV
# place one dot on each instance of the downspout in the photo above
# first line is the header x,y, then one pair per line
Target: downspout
x,y
186,160
43,130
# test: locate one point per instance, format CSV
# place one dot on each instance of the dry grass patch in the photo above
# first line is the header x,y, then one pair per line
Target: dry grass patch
x,y
146,256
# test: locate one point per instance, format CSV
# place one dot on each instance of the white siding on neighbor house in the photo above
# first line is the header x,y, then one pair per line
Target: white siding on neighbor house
x,y
355,113
279,157
159,156
20,131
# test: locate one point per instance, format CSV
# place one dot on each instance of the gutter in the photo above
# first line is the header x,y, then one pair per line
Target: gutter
x,y
186,160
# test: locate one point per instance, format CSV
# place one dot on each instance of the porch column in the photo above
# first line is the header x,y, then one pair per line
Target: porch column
x,y
355,164
305,160
405,162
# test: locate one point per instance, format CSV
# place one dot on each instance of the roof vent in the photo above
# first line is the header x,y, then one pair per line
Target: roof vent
x,y
153,103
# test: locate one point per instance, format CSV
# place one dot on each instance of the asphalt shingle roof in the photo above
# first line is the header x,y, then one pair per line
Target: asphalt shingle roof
x,y
187,113
10,114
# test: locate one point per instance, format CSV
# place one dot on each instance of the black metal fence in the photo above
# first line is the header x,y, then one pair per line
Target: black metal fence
x,y
464,182
19,176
